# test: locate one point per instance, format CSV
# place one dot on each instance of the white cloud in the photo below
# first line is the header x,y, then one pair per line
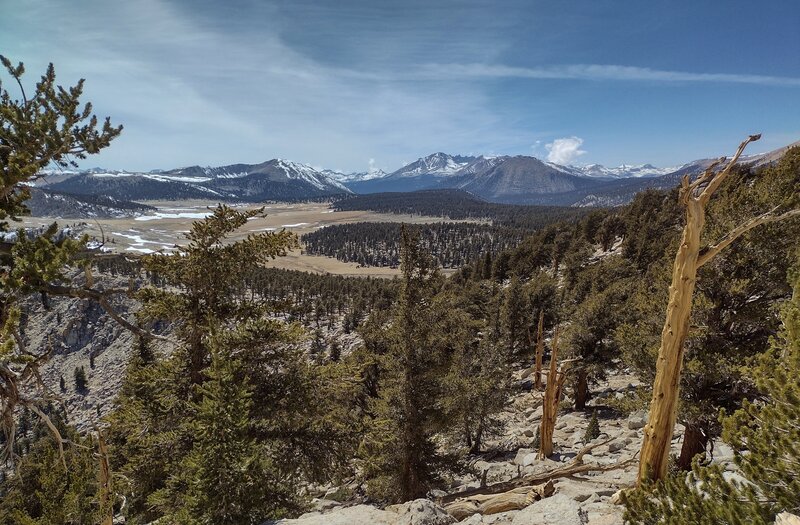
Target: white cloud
x,y
597,72
565,150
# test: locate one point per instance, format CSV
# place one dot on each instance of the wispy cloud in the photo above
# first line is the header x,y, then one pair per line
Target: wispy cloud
x,y
596,72
565,151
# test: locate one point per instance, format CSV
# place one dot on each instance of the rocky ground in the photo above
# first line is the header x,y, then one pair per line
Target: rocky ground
x,y
76,329
577,500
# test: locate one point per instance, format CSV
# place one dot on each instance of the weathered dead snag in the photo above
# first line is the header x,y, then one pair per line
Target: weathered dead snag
x,y
552,394
537,371
691,255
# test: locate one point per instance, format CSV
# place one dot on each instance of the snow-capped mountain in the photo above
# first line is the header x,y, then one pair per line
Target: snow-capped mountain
x,y
518,179
275,179
512,179
436,164
44,203
625,171
355,176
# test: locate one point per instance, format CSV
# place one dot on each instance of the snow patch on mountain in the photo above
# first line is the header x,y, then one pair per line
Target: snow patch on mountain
x,y
438,164
624,171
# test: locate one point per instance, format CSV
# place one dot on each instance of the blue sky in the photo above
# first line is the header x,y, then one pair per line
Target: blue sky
x,y
351,84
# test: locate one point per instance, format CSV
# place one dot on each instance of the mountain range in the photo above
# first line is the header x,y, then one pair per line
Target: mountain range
x,y
505,179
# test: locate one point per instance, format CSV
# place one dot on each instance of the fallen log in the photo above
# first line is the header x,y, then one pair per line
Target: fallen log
x,y
576,466
514,499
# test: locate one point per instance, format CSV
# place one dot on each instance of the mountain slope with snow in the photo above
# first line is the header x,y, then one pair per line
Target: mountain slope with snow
x,y
510,179
276,179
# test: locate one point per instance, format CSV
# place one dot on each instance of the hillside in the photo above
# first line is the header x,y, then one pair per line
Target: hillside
x,y
48,203
272,180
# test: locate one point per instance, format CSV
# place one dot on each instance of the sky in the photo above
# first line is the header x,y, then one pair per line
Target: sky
x,y
352,85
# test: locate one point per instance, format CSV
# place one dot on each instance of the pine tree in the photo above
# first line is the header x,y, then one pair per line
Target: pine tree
x,y
478,383
515,315
300,430
692,254
207,279
335,351
765,436
229,477
49,127
81,382
401,461
51,488
593,429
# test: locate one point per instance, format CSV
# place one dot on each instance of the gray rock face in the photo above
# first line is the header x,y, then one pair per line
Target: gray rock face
x,y
637,420
519,459
417,512
784,518
421,512
358,515
555,510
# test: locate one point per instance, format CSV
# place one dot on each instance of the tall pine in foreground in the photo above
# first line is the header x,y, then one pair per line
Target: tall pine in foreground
x,y
401,461
765,435
233,424
47,126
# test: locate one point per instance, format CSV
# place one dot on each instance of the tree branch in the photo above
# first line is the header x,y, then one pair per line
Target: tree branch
x,y
707,175
102,298
711,251
56,434
716,181
576,466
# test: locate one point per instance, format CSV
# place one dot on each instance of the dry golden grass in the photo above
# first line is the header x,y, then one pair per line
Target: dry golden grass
x,y
143,236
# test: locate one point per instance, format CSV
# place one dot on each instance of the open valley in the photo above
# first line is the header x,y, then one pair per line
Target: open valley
x,y
163,229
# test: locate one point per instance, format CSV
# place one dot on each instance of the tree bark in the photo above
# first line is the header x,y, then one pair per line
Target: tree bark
x,y
664,404
537,373
106,490
581,389
695,440
552,394
478,440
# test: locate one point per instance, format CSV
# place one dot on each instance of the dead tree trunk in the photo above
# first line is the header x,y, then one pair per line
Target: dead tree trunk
x,y
552,394
694,443
691,256
581,389
537,372
106,490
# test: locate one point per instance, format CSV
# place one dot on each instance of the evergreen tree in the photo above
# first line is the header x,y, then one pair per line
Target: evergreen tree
x,y
335,351
229,477
81,382
43,492
478,383
516,315
282,422
401,461
765,436
592,429
49,127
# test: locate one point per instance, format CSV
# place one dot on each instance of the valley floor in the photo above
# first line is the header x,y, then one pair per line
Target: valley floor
x,y
163,229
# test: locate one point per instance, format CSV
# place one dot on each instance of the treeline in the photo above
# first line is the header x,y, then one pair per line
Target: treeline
x,y
459,205
452,245
311,299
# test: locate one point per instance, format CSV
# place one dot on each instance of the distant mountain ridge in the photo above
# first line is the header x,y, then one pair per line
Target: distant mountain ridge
x,y
276,179
508,179
45,203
